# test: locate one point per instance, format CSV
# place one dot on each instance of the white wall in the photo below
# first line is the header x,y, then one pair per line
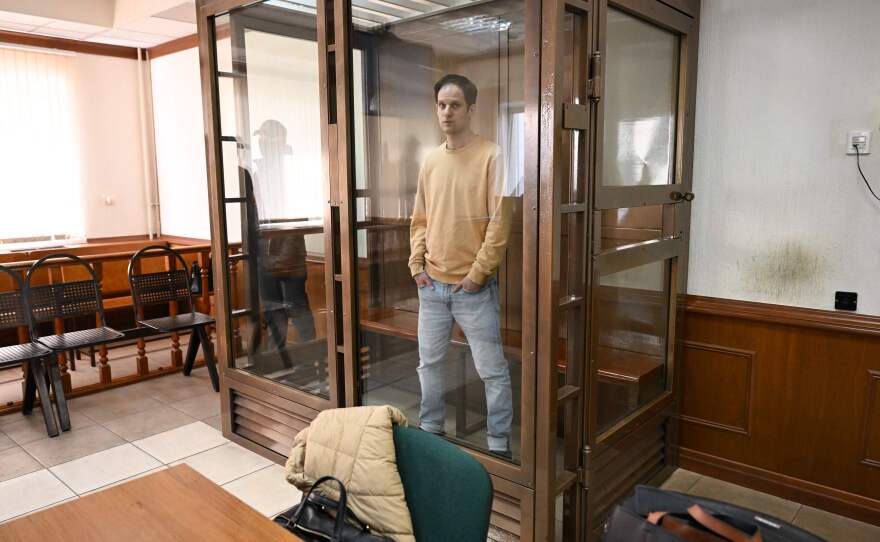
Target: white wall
x,y
180,145
110,143
781,214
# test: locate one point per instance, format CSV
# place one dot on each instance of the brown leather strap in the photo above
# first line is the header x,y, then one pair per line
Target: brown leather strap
x,y
681,529
719,527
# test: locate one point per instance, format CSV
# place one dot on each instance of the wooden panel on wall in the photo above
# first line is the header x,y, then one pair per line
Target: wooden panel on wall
x,y
871,456
716,386
785,400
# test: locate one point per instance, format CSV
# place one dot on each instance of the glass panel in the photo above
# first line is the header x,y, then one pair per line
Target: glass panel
x,y
224,47
631,225
641,91
231,178
274,99
450,359
226,91
632,316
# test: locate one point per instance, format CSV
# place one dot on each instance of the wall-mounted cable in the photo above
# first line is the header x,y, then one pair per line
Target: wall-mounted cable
x,y
859,165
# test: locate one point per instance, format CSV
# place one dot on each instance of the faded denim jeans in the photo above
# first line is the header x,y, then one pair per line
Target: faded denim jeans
x,y
478,316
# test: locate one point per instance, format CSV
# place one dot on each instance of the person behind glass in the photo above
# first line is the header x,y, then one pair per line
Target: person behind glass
x,y
458,235
282,251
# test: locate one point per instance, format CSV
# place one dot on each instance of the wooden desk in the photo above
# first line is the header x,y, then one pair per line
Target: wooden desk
x,y
177,504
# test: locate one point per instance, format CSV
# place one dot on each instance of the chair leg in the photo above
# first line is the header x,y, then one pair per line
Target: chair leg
x,y
70,360
191,349
30,389
37,366
208,349
60,399
92,356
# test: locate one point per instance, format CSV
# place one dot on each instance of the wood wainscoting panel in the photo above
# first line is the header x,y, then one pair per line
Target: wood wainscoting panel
x,y
807,426
871,456
717,386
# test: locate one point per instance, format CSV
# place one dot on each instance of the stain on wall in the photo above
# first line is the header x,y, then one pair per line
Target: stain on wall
x,y
787,273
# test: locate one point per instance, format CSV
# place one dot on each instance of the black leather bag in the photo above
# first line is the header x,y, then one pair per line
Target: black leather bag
x,y
313,521
629,522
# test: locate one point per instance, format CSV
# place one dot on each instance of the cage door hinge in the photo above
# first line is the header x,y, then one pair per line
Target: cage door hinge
x,y
584,471
594,85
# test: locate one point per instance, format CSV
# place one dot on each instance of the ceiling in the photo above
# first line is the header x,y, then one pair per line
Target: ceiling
x,y
138,29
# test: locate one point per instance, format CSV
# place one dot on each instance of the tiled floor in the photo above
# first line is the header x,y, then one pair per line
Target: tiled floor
x,y
128,432
132,431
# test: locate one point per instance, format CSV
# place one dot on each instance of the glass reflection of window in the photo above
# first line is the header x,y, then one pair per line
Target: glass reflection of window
x,y
641,91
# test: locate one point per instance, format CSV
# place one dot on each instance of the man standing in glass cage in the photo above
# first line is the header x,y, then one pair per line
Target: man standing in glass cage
x,y
458,236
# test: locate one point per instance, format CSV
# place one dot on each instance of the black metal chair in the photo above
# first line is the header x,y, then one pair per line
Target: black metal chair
x,y
39,359
167,286
64,301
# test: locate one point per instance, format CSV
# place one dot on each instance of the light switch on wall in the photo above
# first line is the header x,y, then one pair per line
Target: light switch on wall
x,y
861,138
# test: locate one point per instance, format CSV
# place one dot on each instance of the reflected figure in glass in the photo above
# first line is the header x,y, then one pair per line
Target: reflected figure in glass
x,y
458,236
282,253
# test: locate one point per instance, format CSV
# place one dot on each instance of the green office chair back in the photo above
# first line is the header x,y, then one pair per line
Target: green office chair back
x,y
448,492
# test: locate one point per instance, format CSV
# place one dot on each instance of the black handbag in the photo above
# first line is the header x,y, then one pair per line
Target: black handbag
x,y
312,520
658,515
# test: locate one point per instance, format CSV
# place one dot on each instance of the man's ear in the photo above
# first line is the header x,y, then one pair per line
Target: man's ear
x,y
472,109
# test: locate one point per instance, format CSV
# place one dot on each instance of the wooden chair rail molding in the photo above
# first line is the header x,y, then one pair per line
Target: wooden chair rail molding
x,y
785,400
112,271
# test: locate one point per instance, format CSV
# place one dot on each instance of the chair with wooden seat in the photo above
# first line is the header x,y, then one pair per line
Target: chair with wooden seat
x,y
13,314
163,287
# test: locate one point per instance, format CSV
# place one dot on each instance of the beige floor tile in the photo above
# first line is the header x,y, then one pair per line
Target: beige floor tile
x,y
681,480
71,445
203,406
835,528
214,421
743,496
26,429
176,388
226,463
103,398
31,492
266,491
6,442
119,408
151,422
176,444
16,462
106,467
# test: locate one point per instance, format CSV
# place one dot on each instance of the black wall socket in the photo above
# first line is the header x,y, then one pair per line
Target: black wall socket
x,y
845,301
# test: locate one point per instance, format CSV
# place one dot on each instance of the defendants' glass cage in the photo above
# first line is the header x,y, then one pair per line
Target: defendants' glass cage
x,y
497,255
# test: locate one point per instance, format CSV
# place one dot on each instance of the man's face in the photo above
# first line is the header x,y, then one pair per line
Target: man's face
x,y
453,113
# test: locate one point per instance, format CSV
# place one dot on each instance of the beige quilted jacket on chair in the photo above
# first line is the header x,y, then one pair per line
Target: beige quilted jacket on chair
x,y
356,446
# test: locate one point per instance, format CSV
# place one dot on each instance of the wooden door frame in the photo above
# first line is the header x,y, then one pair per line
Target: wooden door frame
x,y
207,10
682,18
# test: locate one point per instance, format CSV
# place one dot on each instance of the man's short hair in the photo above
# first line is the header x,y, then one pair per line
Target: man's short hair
x,y
468,88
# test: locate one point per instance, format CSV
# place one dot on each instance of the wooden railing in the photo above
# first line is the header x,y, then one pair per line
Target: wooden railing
x,y
111,270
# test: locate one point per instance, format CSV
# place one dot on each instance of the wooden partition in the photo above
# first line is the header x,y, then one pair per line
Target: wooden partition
x,y
784,400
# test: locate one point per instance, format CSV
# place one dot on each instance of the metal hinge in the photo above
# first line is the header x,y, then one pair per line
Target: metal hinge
x,y
584,471
594,85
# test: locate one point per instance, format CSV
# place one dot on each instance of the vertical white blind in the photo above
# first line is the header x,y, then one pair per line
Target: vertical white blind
x,y
40,173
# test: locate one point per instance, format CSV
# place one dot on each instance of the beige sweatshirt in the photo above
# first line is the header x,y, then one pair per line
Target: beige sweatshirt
x,y
461,221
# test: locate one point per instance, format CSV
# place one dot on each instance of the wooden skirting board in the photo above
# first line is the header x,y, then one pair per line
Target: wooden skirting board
x,y
785,400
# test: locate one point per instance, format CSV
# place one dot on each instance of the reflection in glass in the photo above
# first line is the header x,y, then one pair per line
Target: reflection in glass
x,y
448,357
641,90
630,225
279,278
631,318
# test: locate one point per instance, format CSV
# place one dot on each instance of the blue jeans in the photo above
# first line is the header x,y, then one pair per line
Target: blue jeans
x,y
478,316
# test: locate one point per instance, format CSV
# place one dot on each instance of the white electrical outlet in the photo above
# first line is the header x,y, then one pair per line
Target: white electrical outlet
x,y
860,138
